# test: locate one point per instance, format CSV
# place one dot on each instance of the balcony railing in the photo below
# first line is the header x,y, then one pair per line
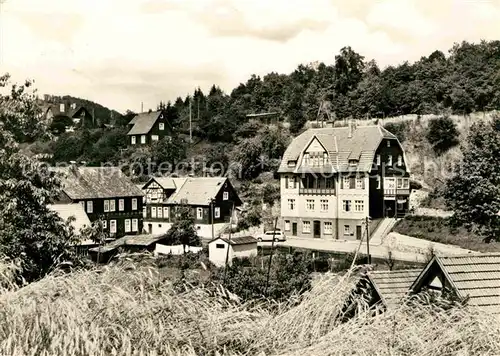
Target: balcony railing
x,y
316,191
392,192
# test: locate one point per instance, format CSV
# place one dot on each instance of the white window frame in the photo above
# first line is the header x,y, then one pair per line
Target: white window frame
x,y
135,225
399,183
389,160
144,212
406,183
291,204
287,225
347,230
324,206
291,182
225,196
127,225
346,206
217,212
379,160
90,206
306,227
104,224
310,204
347,182
159,213
388,143
121,204
155,137
359,206
329,230
400,160
143,139
199,213
112,205
379,182
165,212
134,204
106,206
133,140
112,227
359,183
161,126
153,212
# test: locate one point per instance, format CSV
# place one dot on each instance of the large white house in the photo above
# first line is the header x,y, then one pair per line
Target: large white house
x,y
332,179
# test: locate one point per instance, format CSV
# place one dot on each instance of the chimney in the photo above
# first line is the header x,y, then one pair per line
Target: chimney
x,y
61,107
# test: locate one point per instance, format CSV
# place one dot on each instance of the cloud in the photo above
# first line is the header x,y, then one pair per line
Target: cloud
x,y
122,52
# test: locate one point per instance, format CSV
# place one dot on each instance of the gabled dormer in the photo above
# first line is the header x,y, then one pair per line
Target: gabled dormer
x,y
315,154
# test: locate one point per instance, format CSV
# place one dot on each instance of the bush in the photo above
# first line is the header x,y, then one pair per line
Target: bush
x,y
442,134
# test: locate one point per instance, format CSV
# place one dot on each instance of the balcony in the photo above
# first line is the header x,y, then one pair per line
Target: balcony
x,y
316,191
392,192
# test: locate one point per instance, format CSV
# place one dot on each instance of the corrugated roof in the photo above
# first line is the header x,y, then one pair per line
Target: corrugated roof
x,y
196,191
129,240
65,211
340,147
475,275
393,286
143,123
97,182
240,240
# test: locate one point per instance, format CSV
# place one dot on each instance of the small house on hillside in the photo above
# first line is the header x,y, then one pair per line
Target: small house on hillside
x,y
239,247
475,276
63,117
211,200
148,127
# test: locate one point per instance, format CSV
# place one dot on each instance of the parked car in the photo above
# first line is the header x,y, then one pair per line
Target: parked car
x,y
268,236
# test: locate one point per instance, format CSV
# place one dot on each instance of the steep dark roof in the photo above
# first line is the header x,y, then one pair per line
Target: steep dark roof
x,y
240,240
143,123
393,286
97,182
340,147
475,275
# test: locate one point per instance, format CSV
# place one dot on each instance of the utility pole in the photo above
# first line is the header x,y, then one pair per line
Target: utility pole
x,y
367,222
228,243
271,257
190,125
142,106
212,215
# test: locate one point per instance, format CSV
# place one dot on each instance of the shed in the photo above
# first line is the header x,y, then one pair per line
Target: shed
x,y
130,243
475,276
239,247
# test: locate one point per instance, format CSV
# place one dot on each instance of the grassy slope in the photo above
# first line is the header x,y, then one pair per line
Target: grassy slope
x,y
128,311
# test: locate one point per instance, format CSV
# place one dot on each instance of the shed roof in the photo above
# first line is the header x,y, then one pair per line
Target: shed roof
x,y
475,275
97,182
393,286
340,147
240,240
143,122
129,240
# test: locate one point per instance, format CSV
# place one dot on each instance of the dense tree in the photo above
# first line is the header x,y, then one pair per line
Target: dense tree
x,y
31,235
168,151
442,134
183,230
473,193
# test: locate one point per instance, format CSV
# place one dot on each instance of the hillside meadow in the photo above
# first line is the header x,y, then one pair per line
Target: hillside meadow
x,y
127,309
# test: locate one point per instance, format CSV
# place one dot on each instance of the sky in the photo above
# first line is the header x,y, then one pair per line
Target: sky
x,y
120,53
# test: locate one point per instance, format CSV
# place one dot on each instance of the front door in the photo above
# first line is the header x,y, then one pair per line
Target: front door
x,y
359,232
317,229
150,229
294,229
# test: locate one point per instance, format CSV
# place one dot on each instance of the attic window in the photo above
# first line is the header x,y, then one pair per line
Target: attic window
x,y
353,162
292,163
388,143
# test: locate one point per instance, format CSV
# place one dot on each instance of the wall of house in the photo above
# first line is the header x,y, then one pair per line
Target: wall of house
x,y
117,215
155,130
203,230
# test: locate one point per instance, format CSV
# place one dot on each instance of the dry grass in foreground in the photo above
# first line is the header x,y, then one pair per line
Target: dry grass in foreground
x,y
117,311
